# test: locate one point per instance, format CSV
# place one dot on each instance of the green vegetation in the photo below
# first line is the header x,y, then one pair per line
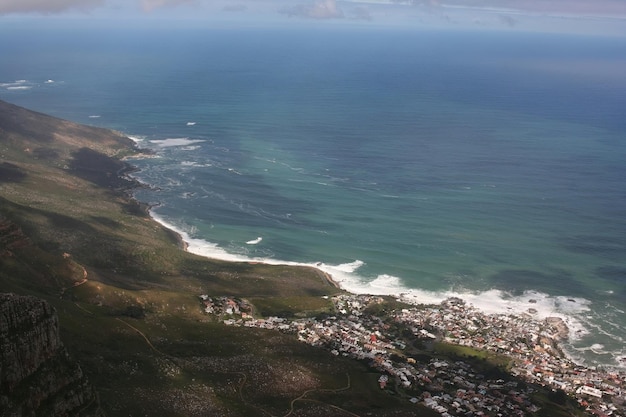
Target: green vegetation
x,y
127,294
291,306
466,352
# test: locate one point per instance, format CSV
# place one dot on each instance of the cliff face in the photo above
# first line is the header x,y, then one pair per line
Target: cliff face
x,y
37,376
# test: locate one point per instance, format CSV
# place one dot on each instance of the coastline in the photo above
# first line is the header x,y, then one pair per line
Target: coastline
x,y
531,304
446,316
197,247
491,303
534,345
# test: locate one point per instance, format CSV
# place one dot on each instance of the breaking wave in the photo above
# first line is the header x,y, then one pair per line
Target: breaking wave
x,y
574,311
167,143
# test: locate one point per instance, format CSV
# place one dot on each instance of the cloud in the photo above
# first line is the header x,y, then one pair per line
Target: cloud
x,y
60,6
320,9
150,5
508,20
575,7
571,6
46,6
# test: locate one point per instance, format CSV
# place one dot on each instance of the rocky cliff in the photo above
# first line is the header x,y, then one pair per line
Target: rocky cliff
x,y
37,376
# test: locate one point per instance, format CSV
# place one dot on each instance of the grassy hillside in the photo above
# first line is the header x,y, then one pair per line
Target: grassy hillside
x,y
127,294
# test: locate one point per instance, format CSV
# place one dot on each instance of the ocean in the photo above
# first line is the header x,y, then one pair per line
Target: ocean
x,y
489,165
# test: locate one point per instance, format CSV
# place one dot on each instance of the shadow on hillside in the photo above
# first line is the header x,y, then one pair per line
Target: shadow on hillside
x,y
57,220
101,169
88,244
19,122
11,173
46,154
105,221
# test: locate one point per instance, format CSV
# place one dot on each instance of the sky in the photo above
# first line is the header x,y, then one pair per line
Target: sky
x,y
526,14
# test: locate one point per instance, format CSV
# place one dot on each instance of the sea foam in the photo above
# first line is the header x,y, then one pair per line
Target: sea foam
x,y
533,303
170,142
576,312
135,138
17,85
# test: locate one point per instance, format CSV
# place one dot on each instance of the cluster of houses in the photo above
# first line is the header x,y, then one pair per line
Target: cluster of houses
x,y
452,388
226,306
532,345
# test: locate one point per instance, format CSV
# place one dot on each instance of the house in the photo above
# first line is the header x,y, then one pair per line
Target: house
x,y
592,392
382,381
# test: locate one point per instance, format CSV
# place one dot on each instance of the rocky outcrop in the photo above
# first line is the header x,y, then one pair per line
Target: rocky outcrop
x,y
37,375
559,329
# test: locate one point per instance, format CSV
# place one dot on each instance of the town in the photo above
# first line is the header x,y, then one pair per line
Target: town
x,y
452,385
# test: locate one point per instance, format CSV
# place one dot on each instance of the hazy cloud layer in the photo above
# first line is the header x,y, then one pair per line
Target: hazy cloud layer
x,y
150,5
320,9
59,6
554,6
315,9
46,6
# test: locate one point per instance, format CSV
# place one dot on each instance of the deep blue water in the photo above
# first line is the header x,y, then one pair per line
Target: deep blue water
x,y
443,162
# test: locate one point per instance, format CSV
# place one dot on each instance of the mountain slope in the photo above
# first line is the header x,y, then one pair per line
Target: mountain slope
x,y
127,294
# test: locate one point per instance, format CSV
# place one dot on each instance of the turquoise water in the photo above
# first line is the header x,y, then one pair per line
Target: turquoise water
x,y
421,162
